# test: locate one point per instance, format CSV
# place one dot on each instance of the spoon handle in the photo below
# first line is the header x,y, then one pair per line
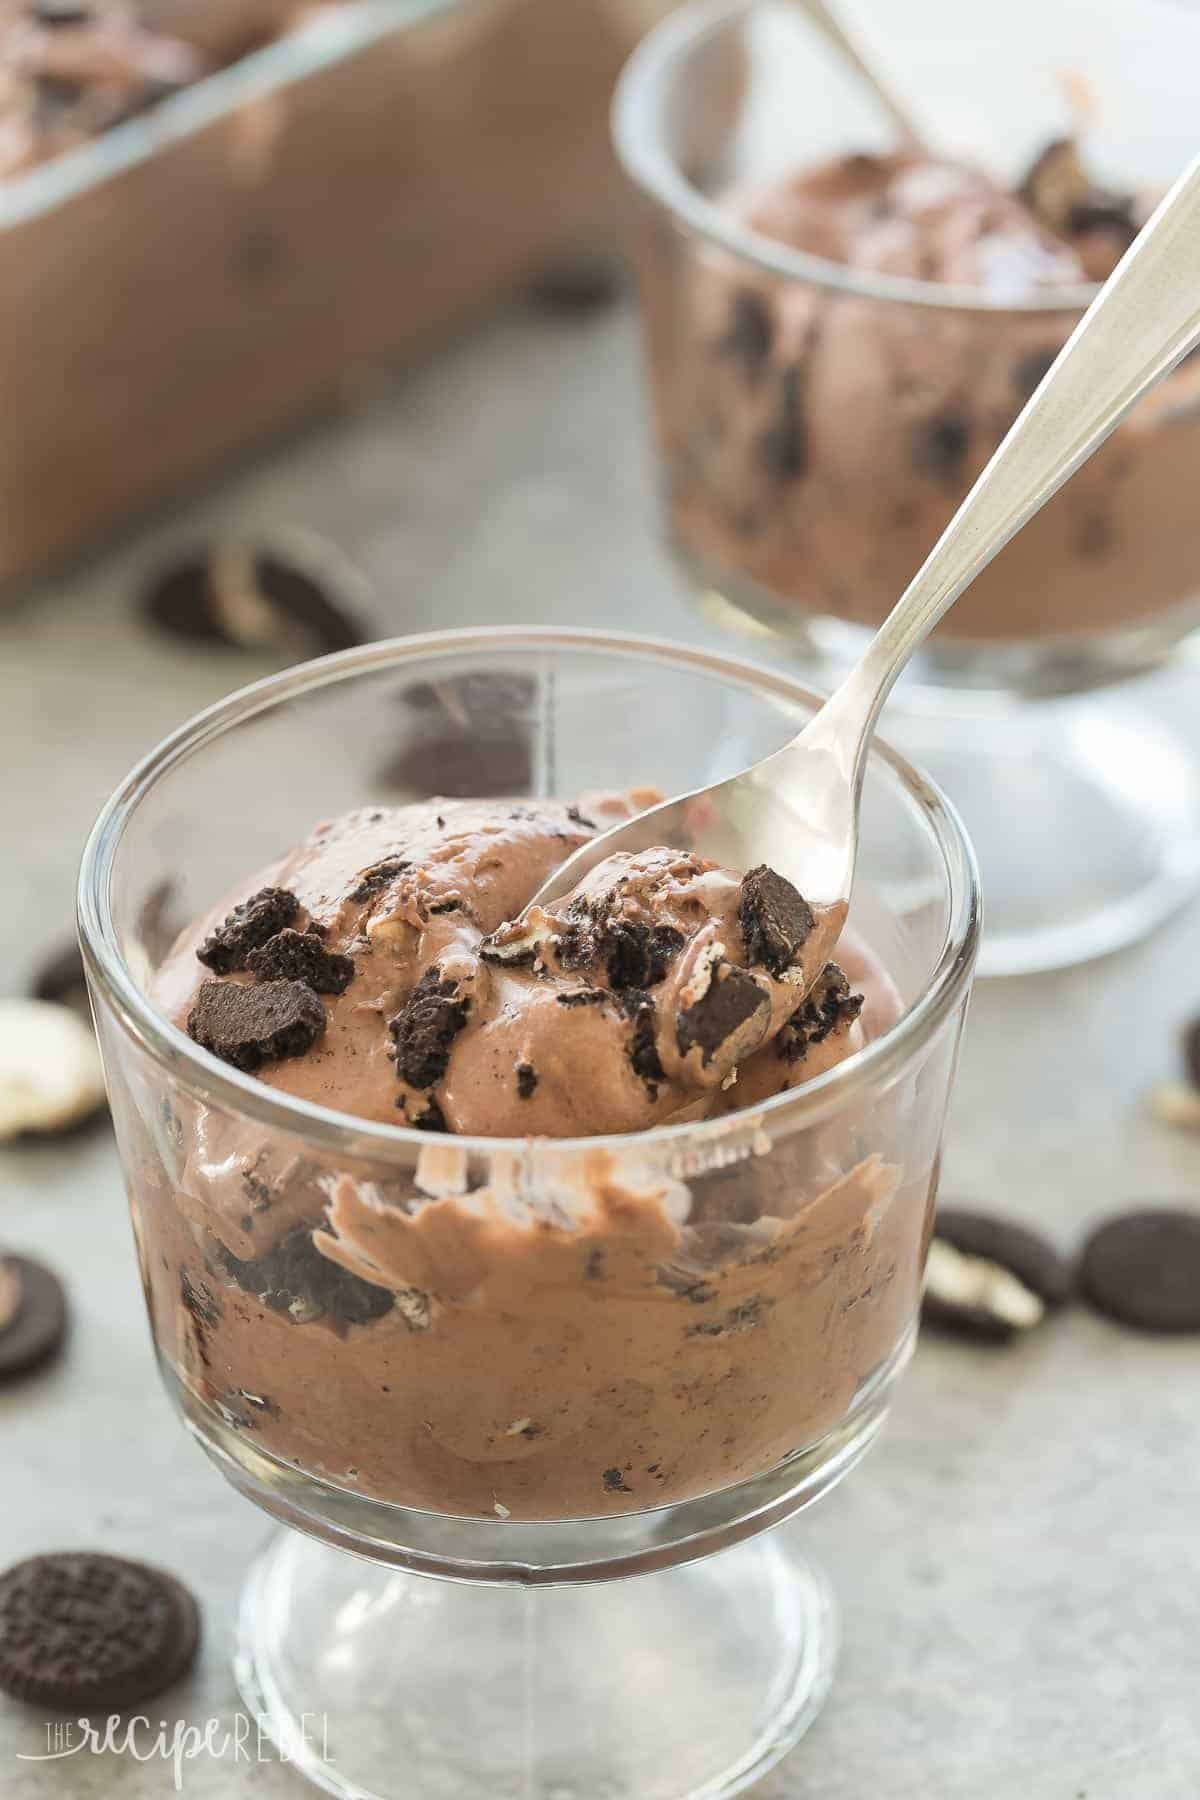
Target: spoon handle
x,y
851,43
1144,319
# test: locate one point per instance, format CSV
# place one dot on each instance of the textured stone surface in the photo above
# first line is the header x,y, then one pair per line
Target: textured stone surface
x,y
1017,1561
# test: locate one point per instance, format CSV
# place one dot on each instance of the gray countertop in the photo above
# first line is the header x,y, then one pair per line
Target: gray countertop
x,y
1018,1560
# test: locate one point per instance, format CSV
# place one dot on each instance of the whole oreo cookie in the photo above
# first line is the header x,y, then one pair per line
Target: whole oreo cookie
x,y
1143,1268
85,1633
989,1276
33,1315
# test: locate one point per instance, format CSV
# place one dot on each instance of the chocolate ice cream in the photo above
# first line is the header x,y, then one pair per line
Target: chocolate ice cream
x,y
479,1340
818,442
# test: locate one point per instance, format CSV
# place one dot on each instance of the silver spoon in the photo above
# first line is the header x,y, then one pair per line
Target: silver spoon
x,y
851,42
797,809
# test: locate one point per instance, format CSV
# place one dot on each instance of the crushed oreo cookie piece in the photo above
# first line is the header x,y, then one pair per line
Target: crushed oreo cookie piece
x,y
751,333
732,1000
425,1028
1143,1268
643,1046
372,881
295,1278
250,599
615,1482
33,1316
583,996
784,445
1031,371
776,921
989,1276
636,955
199,1301
85,1634
248,1026
828,1004
527,1080
432,1119
247,928
940,446
301,956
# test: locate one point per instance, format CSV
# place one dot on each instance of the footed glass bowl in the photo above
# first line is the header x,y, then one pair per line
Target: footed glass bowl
x,y
617,1357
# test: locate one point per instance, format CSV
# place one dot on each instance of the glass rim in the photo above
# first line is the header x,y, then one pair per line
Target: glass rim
x,y
219,1083
637,112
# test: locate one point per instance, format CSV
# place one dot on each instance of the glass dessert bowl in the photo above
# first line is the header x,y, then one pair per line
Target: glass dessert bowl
x,y
532,1365
838,335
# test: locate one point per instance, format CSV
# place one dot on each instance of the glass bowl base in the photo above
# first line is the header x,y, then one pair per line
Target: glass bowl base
x,y
683,1685
1085,817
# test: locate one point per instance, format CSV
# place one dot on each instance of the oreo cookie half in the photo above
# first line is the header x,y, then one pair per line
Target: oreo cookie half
x,y
989,1276
1143,1268
85,1633
33,1316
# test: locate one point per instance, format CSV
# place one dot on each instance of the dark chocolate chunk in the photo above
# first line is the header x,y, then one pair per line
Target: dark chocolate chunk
x,y
1143,1268
301,956
751,332
247,927
527,1081
1031,371
271,602
425,1028
784,445
828,1004
84,1633
635,955
776,921
586,281
615,1482
372,881
295,1278
37,1328
733,997
584,996
980,1309
247,1026
940,446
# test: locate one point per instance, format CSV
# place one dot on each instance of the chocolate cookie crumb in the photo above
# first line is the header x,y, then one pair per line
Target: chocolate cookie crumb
x,y
300,956
784,445
527,1080
643,1048
615,1482
940,446
372,881
84,1633
636,956
733,998
246,928
247,1026
586,996
828,1004
776,921
425,1027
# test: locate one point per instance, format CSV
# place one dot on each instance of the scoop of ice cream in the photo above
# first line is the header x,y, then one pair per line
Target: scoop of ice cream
x,y
387,968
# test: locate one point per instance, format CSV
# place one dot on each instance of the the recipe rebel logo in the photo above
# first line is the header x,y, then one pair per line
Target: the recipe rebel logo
x,y
239,1738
